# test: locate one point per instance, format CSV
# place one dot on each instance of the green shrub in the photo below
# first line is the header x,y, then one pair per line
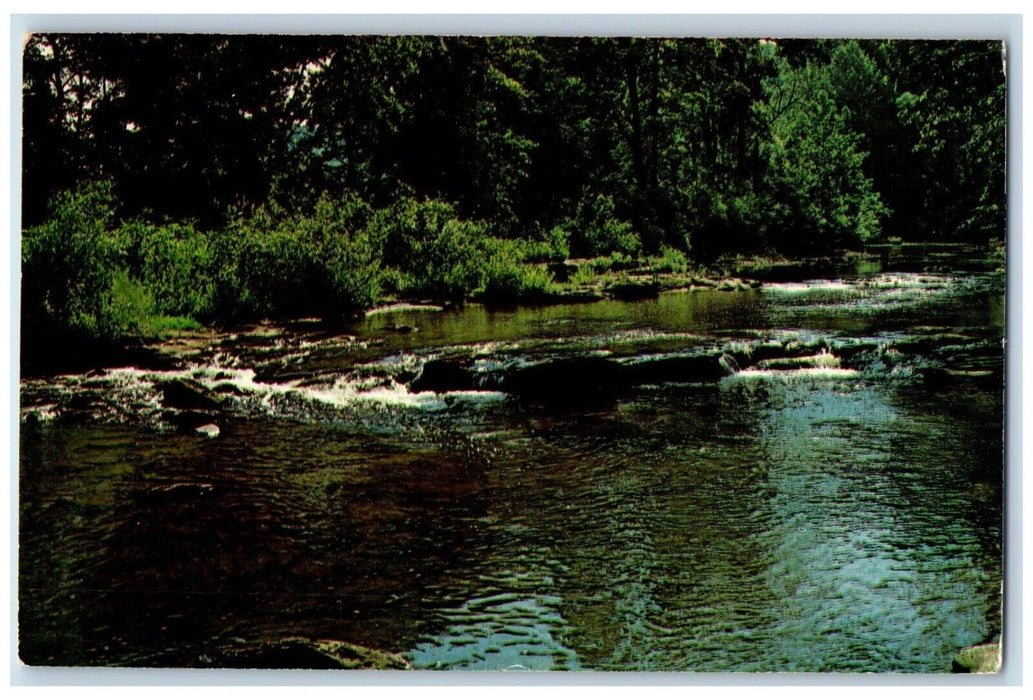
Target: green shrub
x,y
353,271
671,260
453,269
270,264
175,262
820,197
277,272
67,263
129,306
131,311
584,275
436,251
507,279
393,282
613,262
553,247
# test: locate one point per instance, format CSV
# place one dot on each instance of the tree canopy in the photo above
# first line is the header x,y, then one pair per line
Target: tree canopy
x,y
220,175
684,142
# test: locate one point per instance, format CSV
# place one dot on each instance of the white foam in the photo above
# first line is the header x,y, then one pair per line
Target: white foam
x,y
898,284
344,393
636,360
140,387
403,307
809,286
486,365
804,372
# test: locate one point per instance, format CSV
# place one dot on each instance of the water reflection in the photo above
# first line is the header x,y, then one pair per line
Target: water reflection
x,y
775,520
869,561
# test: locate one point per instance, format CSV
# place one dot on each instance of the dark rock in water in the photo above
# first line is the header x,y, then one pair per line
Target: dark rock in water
x,y
87,403
186,394
400,328
982,658
677,368
938,376
229,388
847,350
444,375
298,653
588,380
567,381
924,344
729,363
634,290
187,421
405,376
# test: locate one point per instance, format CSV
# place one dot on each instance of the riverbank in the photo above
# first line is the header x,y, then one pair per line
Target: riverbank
x,y
573,281
55,353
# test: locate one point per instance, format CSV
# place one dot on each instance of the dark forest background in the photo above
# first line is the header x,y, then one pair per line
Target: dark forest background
x,y
170,179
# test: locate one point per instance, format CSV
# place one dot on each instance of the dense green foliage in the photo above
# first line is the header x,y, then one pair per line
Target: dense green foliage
x,y
90,276
273,176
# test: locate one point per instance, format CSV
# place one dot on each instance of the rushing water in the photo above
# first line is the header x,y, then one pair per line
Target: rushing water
x,y
803,477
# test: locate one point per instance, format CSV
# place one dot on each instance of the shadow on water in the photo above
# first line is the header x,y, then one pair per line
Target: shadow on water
x,y
180,543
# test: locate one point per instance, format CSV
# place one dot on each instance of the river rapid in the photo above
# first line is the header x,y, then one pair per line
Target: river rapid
x,y
806,476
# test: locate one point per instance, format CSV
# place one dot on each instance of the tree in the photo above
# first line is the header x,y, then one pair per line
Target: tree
x,y
951,100
184,125
820,196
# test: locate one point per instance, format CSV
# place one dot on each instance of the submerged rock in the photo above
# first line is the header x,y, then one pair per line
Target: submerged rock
x,y
230,388
631,290
186,394
566,381
757,354
187,421
299,653
404,306
729,363
982,658
444,375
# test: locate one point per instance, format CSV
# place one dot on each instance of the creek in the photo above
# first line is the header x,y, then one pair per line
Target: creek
x,y
806,476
